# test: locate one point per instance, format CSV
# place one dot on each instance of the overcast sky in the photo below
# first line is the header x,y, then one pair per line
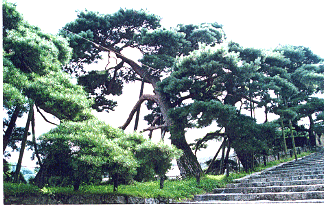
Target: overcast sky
x,y
259,24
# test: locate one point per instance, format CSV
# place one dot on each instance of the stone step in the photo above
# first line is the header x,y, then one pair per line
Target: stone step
x,y
303,165
255,202
292,188
294,181
276,171
277,196
276,183
308,159
299,166
281,178
292,173
299,170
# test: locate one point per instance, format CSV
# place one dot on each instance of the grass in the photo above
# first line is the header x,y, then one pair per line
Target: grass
x,y
173,189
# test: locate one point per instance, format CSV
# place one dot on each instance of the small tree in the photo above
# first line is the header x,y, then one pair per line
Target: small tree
x,y
157,158
80,152
76,150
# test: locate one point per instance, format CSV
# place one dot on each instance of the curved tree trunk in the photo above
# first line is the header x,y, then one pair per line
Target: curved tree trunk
x,y
188,163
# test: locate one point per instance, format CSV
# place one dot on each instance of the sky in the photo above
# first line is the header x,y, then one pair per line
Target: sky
x,y
259,24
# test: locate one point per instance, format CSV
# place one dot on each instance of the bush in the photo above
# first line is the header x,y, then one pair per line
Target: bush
x,y
81,152
156,159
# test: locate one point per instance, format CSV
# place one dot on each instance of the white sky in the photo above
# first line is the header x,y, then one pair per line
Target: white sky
x,y
258,23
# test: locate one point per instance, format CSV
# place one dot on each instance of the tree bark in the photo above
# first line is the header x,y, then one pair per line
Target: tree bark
x,y
187,163
10,127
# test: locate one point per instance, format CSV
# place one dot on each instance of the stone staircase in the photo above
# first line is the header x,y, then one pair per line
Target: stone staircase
x,y
294,181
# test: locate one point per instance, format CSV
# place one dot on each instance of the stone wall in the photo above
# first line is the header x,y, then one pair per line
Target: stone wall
x,y
59,199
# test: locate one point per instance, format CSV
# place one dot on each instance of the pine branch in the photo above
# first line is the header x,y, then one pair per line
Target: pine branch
x,y
38,110
143,98
152,128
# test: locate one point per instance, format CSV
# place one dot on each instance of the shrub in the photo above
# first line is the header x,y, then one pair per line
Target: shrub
x,y
80,152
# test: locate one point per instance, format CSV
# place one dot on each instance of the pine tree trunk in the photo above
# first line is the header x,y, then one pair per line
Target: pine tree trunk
x,y
34,139
246,159
312,137
293,139
226,164
139,108
213,160
162,179
76,184
10,127
23,143
283,135
221,164
187,163
115,180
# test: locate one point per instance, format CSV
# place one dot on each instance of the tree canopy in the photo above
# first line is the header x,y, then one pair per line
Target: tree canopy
x,y
93,33
32,71
81,148
198,79
195,81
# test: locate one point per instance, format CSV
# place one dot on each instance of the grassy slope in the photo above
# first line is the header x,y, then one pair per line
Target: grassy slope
x,y
174,189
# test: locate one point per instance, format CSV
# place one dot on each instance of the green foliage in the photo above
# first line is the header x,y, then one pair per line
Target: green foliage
x,y
208,33
119,31
156,157
130,28
251,137
85,150
14,81
12,18
33,63
116,32
174,189
103,82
